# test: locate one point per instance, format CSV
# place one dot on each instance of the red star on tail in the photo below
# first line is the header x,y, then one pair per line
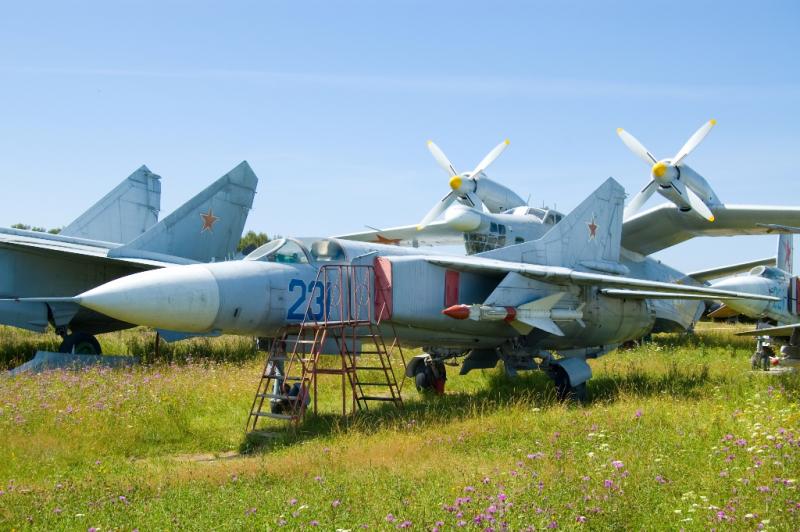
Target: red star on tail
x,y
208,220
592,229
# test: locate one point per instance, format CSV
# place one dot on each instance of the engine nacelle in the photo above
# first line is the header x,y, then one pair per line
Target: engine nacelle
x,y
495,196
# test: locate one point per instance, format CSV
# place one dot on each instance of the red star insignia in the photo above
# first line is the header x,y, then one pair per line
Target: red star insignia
x,y
592,229
208,220
383,240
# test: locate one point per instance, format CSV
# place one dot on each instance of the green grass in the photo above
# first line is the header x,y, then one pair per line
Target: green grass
x,y
678,433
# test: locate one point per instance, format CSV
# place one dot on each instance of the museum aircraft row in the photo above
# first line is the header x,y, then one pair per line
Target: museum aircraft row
x,y
571,288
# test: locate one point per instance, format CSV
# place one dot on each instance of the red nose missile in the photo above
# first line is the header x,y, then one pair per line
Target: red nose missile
x,y
538,314
459,312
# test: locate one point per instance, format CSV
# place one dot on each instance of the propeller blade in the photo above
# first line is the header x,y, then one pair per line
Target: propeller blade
x,y
437,210
490,157
636,147
640,199
442,159
693,141
698,205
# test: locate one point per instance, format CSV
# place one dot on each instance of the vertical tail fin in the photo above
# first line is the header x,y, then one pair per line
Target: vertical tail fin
x,y
590,235
123,214
207,227
785,259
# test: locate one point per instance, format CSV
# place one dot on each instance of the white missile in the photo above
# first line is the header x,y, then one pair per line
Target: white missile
x,y
537,314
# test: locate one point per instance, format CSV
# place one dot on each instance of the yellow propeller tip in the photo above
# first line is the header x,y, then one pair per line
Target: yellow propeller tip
x,y
420,227
711,219
429,142
713,123
619,130
507,142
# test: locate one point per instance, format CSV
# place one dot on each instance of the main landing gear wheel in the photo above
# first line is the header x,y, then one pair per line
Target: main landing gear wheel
x,y
80,344
430,377
564,391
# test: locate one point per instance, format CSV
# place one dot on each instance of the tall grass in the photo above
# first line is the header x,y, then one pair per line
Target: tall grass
x,y
678,433
18,346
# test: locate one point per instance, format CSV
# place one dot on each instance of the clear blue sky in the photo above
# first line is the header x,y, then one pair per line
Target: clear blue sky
x,y
332,102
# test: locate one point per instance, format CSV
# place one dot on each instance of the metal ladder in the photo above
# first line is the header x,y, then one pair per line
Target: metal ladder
x,y
349,320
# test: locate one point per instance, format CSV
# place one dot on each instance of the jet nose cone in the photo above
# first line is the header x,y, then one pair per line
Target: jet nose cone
x,y
178,298
748,284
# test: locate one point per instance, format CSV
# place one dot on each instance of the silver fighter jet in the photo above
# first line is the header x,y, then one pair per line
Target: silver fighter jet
x,y
574,295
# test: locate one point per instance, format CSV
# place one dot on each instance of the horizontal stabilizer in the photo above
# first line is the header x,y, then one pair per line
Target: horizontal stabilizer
x,y
722,271
723,311
206,228
123,214
781,330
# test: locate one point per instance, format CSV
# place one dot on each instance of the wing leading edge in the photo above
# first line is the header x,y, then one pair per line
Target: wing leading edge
x,y
562,275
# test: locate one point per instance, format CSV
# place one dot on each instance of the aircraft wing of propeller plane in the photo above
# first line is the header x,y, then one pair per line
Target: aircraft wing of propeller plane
x,y
484,214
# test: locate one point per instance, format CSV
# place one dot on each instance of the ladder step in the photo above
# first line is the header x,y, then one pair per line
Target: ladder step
x,y
333,371
276,377
376,398
273,396
273,416
374,383
371,368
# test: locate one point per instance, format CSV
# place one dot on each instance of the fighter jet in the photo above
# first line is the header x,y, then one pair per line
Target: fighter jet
x,y
783,313
573,292
206,228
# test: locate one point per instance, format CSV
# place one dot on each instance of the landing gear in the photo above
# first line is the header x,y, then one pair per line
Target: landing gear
x,y
80,344
430,376
564,390
761,358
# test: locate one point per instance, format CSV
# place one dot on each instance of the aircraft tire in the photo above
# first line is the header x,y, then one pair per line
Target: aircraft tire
x,y
565,392
81,344
423,378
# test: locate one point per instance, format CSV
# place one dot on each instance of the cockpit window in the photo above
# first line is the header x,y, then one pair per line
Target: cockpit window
x,y
283,251
326,251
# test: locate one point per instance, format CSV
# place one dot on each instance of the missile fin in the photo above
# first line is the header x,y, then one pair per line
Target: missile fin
x,y
545,324
523,328
544,303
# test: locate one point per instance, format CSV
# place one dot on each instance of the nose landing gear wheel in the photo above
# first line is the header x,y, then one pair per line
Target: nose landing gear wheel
x,y
80,344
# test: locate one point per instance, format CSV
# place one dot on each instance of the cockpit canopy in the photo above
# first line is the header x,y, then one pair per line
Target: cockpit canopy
x,y
768,272
299,251
547,216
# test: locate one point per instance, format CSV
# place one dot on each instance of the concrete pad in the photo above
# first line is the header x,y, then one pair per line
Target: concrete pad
x,y
46,360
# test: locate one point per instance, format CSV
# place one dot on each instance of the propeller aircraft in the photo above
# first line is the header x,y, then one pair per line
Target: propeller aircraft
x,y
673,179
